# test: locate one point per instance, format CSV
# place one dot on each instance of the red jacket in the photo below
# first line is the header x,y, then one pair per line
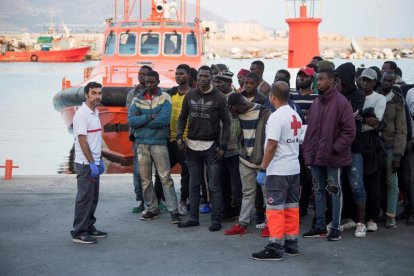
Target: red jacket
x,y
330,131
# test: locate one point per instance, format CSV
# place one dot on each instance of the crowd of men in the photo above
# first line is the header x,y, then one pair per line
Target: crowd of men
x,y
339,143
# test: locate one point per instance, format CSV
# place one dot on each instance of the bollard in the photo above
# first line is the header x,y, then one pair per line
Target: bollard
x,y
8,168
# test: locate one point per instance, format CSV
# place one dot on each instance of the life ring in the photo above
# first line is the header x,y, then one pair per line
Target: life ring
x,y
34,58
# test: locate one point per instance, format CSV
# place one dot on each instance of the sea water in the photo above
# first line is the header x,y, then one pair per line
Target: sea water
x,y
32,132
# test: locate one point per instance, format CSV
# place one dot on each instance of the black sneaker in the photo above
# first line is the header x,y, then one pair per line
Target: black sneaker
x,y
334,235
149,216
84,238
188,223
291,251
267,255
214,227
97,234
175,218
315,233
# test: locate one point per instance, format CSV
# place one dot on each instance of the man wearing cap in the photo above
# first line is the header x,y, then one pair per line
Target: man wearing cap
x,y
241,75
230,174
327,149
304,97
373,111
258,67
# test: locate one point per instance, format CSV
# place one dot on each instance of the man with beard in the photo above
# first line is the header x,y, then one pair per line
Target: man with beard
x,y
346,85
327,149
205,108
395,137
89,165
304,97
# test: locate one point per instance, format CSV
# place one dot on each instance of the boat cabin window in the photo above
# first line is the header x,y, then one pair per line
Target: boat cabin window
x,y
150,44
127,42
110,44
172,44
191,45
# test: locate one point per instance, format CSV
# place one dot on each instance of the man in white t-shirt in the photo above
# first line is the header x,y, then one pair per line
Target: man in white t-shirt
x,y
89,165
280,172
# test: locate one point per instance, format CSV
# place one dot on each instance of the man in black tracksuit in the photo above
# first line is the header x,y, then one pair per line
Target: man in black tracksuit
x,y
204,107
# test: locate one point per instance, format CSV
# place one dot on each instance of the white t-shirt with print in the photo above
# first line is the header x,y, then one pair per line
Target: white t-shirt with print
x,y
284,126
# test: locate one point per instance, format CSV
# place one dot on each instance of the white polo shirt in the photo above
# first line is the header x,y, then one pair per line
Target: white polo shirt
x,y
284,126
86,122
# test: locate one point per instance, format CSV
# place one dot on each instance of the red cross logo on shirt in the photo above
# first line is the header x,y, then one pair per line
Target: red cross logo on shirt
x,y
295,125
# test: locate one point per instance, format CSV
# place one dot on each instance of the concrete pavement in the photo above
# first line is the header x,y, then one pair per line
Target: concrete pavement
x,y
36,216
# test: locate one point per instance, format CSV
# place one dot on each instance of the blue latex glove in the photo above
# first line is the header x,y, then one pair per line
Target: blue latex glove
x,y
260,178
101,167
94,170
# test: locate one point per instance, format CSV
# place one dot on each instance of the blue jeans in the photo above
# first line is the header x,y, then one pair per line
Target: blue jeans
x,y
195,162
327,179
356,181
136,177
392,184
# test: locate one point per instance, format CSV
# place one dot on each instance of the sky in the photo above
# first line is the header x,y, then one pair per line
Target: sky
x,y
352,18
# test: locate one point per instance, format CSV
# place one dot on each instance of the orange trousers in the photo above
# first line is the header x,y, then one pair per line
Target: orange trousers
x,y
282,205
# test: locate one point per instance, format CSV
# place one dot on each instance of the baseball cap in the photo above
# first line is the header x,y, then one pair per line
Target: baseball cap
x,y
308,71
369,73
325,65
243,72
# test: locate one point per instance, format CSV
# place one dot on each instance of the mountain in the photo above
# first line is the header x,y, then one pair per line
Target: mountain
x,y
78,15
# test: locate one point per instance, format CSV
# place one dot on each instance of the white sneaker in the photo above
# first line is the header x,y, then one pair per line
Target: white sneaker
x,y
144,212
361,230
348,224
261,225
328,227
372,226
182,209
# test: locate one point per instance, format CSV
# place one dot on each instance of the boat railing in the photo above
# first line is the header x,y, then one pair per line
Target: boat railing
x,y
120,75
87,71
66,84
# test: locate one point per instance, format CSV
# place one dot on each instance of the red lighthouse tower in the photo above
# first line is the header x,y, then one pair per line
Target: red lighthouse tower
x,y
303,35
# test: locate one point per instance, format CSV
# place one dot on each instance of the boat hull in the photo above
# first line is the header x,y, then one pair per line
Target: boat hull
x,y
69,55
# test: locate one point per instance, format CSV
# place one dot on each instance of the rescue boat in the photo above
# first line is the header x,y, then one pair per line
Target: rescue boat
x,y
158,33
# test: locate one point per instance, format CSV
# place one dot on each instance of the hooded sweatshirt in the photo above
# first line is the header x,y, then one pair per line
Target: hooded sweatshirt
x,y
346,73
